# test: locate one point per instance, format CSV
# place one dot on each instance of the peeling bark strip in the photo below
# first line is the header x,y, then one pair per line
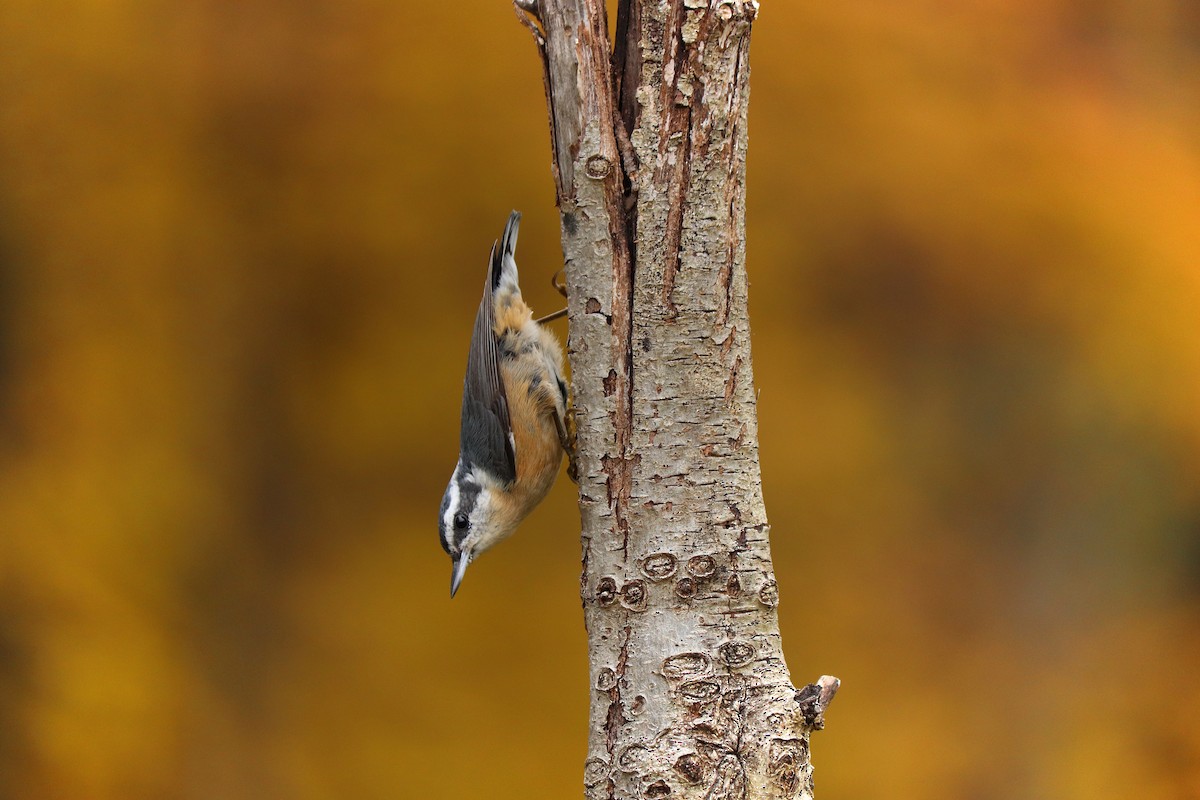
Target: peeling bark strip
x,y
691,697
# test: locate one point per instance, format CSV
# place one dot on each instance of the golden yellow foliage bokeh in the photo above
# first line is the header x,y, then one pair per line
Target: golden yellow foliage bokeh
x,y
241,244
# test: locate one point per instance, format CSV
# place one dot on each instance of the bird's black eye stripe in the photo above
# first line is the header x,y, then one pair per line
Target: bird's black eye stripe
x,y
460,521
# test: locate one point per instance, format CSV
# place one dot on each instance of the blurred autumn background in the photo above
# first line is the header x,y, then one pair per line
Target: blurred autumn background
x,y
241,243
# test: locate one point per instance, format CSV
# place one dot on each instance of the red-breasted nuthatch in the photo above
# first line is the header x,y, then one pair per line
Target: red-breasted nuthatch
x,y
514,418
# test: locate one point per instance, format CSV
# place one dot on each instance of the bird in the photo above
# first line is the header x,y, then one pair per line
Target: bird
x,y
516,423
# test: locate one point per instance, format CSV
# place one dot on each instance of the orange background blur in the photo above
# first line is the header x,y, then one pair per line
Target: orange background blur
x,y
241,244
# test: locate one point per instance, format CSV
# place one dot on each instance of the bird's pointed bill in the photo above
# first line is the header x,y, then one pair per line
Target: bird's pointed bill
x,y
457,570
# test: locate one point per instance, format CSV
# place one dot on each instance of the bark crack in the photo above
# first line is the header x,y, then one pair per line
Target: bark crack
x,y
734,188
679,97
674,232
731,380
616,708
618,469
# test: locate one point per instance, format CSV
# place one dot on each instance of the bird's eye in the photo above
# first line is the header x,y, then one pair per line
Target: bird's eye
x,y
460,521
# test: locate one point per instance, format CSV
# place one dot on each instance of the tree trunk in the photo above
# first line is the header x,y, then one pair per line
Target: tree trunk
x,y
690,694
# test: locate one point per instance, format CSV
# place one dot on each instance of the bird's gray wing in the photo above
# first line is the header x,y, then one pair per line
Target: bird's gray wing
x,y
486,434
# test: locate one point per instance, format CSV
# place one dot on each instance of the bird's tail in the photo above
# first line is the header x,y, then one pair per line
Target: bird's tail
x,y
504,263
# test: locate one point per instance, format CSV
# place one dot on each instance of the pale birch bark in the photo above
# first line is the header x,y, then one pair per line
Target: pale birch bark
x,y
690,694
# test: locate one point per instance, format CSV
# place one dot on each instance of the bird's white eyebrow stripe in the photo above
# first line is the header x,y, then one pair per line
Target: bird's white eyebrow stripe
x,y
452,506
